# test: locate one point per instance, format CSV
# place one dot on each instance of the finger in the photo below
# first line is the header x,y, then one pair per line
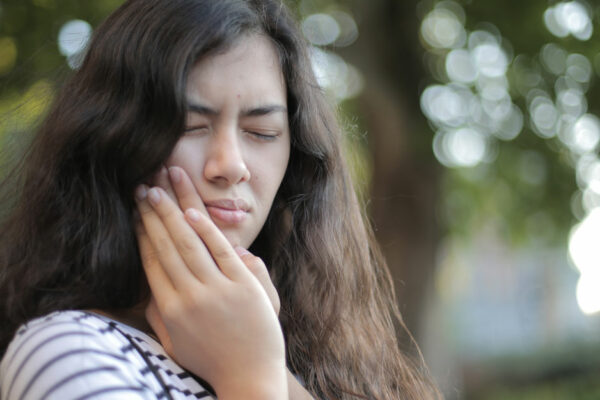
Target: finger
x,y
158,280
162,180
187,245
186,192
162,244
217,244
158,326
258,268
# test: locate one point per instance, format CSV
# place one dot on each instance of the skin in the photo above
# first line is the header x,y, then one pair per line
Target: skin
x,y
206,208
236,145
198,279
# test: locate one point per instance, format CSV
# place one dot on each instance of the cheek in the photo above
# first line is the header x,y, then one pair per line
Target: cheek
x,y
267,177
176,154
186,156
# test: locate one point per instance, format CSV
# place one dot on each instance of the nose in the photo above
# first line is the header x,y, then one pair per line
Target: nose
x,y
225,162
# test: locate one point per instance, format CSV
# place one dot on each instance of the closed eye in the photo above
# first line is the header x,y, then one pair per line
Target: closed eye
x,y
195,130
266,137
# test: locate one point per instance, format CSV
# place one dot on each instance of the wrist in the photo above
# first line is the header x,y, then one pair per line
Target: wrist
x,y
268,385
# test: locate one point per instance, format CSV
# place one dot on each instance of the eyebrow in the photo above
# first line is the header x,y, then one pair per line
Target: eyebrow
x,y
246,112
200,109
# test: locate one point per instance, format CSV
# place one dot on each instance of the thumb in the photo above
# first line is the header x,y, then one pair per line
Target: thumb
x,y
258,268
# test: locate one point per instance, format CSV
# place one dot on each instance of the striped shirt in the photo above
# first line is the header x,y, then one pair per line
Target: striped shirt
x,y
70,355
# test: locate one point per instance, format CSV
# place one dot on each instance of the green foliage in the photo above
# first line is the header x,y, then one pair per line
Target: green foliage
x,y
30,62
578,387
527,185
526,191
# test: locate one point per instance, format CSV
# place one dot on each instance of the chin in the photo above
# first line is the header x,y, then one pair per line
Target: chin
x,y
234,239
237,238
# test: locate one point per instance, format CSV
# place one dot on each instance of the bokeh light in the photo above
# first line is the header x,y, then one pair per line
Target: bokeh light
x,y
321,29
342,80
583,135
554,58
460,67
543,114
475,104
583,245
571,102
569,18
463,147
337,28
447,105
579,68
348,29
471,107
442,28
72,40
489,58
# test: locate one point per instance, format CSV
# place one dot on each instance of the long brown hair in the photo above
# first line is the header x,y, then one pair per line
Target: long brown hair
x,y
68,240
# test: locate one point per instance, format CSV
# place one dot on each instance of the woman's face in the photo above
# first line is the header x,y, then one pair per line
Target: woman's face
x,y
236,145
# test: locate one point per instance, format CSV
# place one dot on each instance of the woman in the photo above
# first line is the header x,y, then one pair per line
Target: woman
x,y
222,94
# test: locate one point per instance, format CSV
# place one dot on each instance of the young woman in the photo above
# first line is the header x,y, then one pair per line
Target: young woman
x,y
184,226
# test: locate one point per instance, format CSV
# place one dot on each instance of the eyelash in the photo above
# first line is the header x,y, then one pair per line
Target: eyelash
x,y
259,136
195,130
263,137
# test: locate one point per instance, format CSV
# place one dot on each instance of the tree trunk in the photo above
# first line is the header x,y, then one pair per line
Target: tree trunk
x,y
405,174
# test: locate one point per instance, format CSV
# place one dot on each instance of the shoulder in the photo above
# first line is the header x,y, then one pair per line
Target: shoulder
x,y
70,354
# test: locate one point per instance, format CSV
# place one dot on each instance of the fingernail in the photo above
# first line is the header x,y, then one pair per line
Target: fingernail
x,y
141,192
193,214
154,195
241,251
175,174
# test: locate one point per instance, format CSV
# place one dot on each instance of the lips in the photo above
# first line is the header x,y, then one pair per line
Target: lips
x,y
229,211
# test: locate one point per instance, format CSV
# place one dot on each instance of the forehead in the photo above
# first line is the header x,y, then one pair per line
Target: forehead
x,y
249,69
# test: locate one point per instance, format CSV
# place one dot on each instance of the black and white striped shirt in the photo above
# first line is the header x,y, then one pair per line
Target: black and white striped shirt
x,y
70,355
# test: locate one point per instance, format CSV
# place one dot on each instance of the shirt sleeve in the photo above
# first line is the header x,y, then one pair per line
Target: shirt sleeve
x,y
61,358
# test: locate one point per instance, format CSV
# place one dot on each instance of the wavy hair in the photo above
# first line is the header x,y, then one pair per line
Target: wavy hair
x,y
67,242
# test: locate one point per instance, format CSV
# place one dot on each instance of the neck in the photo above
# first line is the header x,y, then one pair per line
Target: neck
x,y
134,317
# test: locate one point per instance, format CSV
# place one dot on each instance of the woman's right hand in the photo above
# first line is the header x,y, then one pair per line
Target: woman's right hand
x,y
217,318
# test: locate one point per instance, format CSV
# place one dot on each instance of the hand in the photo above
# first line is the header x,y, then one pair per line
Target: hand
x,y
187,197
215,318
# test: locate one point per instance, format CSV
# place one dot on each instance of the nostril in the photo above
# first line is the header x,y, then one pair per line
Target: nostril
x,y
230,169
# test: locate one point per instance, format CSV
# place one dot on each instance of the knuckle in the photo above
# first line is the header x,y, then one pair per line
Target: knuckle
x,y
145,210
162,244
149,257
187,244
253,267
258,262
223,254
257,266
167,211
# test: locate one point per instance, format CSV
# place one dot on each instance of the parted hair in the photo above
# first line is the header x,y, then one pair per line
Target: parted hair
x,y
67,241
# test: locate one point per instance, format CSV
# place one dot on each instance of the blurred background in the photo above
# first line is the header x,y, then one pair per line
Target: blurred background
x,y
473,131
